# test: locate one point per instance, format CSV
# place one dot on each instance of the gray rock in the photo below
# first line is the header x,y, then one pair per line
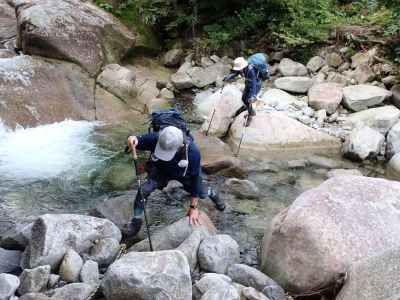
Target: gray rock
x,y
166,94
49,244
344,172
288,67
338,78
393,141
363,208
34,280
294,84
206,61
35,296
205,76
9,260
149,275
252,294
243,189
73,291
173,57
344,67
393,167
396,95
181,81
16,238
53,281
390,80
363,74
278,98
363,143
119,81
90,273
8,285
74,31
171,236
308,111
71,266
373,278
118,210
360,97
326,96
217,253
228,293
104,251
210,281
190,247
334,59
315,63
363,58
251,277
380,118
321,116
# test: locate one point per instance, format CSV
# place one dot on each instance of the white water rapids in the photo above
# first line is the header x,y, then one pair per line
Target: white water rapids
x,y
46,151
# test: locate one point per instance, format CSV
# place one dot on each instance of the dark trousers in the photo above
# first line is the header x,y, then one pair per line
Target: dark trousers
x,y
246,101
157,180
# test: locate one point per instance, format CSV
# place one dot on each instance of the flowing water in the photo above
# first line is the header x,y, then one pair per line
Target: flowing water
x,y
67,166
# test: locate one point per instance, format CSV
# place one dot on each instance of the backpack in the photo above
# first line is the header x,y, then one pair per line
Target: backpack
x,y
260,62
169,117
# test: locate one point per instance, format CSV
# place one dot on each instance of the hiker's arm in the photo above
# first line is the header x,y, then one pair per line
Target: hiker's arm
x,y
231,76
146,142
194,163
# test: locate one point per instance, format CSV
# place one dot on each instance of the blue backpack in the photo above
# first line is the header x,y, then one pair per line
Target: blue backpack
x,y
260,62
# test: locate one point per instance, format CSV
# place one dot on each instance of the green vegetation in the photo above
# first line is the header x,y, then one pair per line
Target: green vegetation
x,y
216,24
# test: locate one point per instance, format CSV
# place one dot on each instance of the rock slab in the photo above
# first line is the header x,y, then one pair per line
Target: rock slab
x,y
362,96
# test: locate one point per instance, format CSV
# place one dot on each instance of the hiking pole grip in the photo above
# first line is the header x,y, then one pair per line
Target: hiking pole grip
x,y
135,160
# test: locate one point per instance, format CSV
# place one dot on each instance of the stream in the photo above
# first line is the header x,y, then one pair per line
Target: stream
x,y
67,167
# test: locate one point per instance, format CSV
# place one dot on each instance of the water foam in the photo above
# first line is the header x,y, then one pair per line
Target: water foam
x,y
46,151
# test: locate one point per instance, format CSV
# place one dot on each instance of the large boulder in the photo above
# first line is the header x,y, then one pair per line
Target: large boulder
x,y
393,141
8,21
315,63
325,96
278,99
120,81
73,291
294,84
104,251
363,143
396,94
181,81
276,134
288,67
9,261
254,278
226,104
172,58
8,285
203,77
334,59
28,99
363,58
379,118
53,235
362,96
72,30
328,228
17,237
149,275
173,235
34,280
217,253
210,281
373,278
363,74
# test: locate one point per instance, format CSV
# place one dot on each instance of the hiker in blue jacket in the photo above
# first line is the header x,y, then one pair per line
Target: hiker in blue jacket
x,y
174,157
252,85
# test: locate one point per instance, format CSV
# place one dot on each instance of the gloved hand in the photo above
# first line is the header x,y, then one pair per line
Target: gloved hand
x,y
226,78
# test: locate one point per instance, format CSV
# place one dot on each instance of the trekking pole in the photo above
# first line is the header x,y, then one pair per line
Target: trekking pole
x,y
212,116
135,162
241,138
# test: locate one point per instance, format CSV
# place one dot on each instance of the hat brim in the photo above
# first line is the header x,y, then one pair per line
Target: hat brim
x,y
164,154
239,69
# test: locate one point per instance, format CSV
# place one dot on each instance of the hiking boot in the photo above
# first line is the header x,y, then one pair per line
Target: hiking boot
x,y
134,227
214,196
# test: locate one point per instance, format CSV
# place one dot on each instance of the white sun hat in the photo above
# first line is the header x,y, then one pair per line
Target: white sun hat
x,y
239,64
169,141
